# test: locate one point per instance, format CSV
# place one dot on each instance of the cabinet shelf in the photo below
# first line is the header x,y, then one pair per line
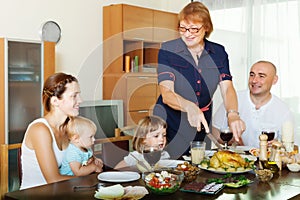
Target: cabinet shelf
x,y
137,33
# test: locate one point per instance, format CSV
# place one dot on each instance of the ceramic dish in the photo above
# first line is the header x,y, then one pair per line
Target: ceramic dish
x,y
231,181
169,163
238,184
240,149
294,167
240,171
118,177
201,188
225,172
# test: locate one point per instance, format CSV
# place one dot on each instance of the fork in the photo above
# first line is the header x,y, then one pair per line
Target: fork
x,y
142,164
88,187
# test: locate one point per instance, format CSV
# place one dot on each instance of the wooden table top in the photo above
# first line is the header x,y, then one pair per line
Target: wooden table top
x,y
285,185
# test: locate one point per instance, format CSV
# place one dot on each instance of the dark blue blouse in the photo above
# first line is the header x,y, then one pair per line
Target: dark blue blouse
x,y
196,83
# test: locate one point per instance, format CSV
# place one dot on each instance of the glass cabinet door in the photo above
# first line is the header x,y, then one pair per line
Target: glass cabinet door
x,y
24,87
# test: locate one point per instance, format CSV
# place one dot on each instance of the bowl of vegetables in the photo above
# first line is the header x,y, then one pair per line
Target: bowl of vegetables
x,y
163,181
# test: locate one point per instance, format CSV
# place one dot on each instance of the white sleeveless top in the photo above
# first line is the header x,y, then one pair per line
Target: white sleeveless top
x,y
31,173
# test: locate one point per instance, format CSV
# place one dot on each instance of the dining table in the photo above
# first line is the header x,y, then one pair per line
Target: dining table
x,y
284,185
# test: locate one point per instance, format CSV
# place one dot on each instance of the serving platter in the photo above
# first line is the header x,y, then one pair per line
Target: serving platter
x,y
249,157
202,188
118,177
224,172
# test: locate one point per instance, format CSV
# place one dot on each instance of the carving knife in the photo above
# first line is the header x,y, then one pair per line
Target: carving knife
x,y
214,140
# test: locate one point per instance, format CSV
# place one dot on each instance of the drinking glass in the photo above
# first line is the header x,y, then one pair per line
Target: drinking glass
x,y
152,154
197,151
226,135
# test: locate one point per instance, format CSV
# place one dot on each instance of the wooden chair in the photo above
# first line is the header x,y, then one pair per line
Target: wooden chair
x,y
4,173
113,149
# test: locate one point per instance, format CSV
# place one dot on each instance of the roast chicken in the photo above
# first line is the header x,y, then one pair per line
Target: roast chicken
x,y
227,159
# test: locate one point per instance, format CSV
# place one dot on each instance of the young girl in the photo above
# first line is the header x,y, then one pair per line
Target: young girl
x,y
79,159
151,130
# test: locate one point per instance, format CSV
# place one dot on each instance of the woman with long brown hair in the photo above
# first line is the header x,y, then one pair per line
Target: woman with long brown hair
x,y
45,139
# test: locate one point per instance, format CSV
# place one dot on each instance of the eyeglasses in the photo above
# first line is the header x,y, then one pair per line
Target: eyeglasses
x,y
191,30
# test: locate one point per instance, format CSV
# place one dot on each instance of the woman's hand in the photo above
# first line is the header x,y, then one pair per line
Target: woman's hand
x,y
196,117
171,98
237,126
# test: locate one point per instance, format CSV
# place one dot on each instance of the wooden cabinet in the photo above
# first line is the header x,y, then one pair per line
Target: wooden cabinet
x,y
137,33
139,92
165,26
24,65
137,23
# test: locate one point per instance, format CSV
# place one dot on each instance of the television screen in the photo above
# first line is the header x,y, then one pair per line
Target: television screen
x,y
106,114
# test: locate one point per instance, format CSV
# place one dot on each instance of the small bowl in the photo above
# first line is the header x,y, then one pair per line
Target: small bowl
x,y
294,167
163,181
190,171
264,175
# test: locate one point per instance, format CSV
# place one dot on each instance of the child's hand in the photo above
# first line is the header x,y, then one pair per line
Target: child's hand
x,y
90,160
99,164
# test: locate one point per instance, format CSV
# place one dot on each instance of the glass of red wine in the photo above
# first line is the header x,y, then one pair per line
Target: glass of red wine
x,y
226,135
270,134
152,154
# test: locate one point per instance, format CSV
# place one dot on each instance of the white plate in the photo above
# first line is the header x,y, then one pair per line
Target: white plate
x,y
224,172
250,157
208,153
241,148
169,163
118,177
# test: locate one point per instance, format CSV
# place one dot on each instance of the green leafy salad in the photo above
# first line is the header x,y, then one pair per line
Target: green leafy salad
x,y
231,181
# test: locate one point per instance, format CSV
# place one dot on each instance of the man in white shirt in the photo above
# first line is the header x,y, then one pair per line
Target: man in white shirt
x,y
258,107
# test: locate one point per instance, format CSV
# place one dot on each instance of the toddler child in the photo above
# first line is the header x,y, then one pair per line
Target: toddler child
x,y
150,131
78,159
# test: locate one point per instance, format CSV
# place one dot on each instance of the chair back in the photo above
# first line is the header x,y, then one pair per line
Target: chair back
x,y
4,167
113,149
113,153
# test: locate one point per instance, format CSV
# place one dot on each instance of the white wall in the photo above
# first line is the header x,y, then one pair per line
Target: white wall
x,y
79,51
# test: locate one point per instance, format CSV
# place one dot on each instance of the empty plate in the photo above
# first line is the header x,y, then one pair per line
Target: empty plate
x,y
169,163
118,176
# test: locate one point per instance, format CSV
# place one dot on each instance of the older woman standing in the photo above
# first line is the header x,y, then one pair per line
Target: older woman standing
x,y
189,72
45,140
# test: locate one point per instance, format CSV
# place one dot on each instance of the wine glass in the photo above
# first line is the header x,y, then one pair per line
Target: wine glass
x,y
270,134
226,135
152,154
